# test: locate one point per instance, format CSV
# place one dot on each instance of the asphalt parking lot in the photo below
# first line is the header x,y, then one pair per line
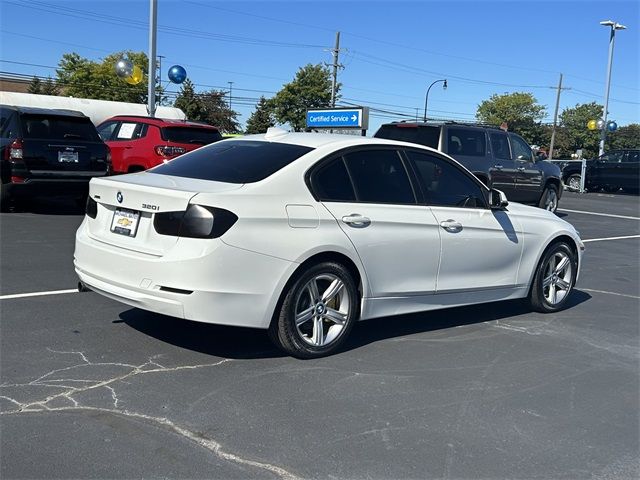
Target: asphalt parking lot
x,y
91,388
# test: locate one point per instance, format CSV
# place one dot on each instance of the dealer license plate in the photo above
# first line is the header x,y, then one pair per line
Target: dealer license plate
x,y
125,222
67,157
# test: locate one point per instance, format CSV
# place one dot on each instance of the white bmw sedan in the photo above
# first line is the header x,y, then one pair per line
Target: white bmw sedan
x,y
304,234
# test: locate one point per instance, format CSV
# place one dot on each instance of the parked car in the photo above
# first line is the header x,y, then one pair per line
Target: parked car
x,y
611,171
500,159
138,143
304,234
47,151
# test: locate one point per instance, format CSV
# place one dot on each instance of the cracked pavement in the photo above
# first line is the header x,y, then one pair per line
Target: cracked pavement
x,y
90,388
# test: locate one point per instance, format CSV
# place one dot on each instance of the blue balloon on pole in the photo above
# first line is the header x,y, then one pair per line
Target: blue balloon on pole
x,y
177,74
612,126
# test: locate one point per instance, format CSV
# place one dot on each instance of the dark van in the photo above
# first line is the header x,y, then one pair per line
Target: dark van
x,y
48,152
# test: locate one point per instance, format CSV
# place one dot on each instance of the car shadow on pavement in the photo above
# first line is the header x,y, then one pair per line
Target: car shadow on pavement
x,y
249,343
378,329
229,342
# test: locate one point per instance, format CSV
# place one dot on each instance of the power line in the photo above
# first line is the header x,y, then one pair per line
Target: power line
x,y
139,25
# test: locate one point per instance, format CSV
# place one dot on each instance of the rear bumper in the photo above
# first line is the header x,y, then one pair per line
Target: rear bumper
x,y
201,280
57,183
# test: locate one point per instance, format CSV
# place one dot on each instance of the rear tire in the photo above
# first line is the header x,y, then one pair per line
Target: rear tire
x,y
573,182
317,313
549,198
554,279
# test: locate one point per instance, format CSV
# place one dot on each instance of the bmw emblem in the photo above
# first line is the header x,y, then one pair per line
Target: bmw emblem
x,y
119,197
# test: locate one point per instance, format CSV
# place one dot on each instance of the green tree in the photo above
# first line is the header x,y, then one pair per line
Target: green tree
x,y
311,88
573,133
262,117
624,137
85,78
519,110
35,86
49,87
189,102
218,113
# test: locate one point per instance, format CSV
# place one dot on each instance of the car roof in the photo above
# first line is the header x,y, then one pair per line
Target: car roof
x,y
161,122
44,111
316,140
412,123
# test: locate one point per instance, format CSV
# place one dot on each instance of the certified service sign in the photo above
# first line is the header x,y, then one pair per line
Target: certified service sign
x,y
357,117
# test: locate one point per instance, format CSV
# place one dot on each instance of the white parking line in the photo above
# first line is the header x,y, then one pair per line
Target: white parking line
x,y
599,214
609,293
610,238
37,294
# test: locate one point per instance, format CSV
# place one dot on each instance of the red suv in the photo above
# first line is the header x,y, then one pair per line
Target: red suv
x,y
138,143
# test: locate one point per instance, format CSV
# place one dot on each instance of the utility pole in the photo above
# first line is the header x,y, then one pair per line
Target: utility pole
x,y
158,76
153,26
555,119
230,91
612,37
334,80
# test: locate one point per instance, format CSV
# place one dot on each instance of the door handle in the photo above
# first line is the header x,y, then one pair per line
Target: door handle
x,y
451,225
498,167
356,220
521,169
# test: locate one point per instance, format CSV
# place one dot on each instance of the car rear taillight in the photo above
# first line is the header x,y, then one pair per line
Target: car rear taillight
x,y
197,221
91,208
168,151
14,152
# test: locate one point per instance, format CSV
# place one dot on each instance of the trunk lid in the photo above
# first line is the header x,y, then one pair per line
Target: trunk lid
x,y
127,205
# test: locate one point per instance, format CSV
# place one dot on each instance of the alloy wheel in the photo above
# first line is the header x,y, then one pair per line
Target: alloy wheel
x,y
557,278
322,310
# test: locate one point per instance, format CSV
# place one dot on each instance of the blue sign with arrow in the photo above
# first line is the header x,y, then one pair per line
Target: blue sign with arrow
x,y
339,118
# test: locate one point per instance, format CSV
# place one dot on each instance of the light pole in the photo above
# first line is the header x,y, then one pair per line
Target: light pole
x,y
426,98
614,26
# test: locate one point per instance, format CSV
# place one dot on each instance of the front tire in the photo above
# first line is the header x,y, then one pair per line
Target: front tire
x,y
554,279
317,313
549,198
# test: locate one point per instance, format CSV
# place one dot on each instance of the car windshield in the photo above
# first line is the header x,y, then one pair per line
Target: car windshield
x,y
233,161
197,135
55,127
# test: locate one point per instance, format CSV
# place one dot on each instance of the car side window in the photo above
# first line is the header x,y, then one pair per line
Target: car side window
x,y
632,157
106,130
521,150
331,182
613,157
379,176
445,184
130,131
5,124
500,146
466,141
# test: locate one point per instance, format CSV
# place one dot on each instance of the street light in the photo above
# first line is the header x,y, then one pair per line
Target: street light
x,y
426,98
614,26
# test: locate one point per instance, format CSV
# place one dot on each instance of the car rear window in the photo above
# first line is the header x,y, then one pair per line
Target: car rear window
x,y
201,136
423,135
233,161
56,127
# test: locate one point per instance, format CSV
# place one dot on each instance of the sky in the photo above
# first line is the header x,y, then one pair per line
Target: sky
x,y
390,51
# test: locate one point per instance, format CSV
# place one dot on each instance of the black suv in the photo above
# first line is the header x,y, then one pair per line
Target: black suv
x,y
46,151
502,160
611,171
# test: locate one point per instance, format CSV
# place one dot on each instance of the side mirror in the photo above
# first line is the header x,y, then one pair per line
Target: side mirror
x,y
497,199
